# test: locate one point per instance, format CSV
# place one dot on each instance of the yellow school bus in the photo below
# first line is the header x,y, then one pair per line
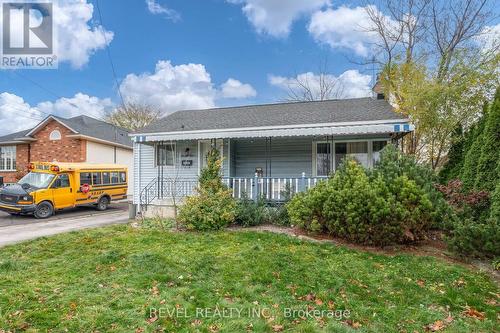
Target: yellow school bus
x,y
49,187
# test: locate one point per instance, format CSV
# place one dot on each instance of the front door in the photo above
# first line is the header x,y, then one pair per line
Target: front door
x,y
205,147
62,192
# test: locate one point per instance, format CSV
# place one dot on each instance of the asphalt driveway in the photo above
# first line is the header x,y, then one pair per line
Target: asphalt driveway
x,y
15,229
9,220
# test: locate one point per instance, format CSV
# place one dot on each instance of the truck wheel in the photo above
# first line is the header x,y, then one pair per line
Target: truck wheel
x,y
44,210
103,204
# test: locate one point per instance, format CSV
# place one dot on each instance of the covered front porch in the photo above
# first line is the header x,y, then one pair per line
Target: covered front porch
x,y
272,168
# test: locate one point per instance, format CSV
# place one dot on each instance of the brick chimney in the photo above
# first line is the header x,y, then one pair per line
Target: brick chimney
x,y
378,89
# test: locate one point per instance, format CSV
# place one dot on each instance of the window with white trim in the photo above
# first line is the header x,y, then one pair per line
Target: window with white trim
x,y
165,154
377,147
357,150
323,158
55,135
8,158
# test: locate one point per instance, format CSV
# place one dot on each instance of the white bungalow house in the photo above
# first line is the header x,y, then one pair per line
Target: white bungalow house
x,y
266,148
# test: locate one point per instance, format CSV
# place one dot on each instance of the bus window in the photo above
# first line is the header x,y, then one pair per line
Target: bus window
x,y
62,181
85,178
114,178
105,178
96,178
123,177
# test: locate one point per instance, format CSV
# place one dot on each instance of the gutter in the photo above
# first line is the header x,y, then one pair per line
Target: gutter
x,y
349,123
90,138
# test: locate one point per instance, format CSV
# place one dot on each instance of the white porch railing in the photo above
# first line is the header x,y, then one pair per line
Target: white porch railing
x,y
267,188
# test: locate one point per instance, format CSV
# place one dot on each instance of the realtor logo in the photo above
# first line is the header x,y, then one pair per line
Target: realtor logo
x,y
28,35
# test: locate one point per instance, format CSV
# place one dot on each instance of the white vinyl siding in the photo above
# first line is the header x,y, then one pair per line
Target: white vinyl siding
x,y
7,158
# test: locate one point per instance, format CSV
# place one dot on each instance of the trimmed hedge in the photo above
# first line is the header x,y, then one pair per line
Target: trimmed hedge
x,y
389,205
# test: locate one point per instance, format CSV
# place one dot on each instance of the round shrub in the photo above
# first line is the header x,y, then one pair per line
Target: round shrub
x,y
305,209
365,207
250,212
208,210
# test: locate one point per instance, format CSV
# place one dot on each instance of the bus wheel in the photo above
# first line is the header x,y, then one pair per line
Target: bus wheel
x,y
103,204
44,210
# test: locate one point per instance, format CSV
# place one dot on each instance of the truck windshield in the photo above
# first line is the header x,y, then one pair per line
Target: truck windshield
x,y
37,179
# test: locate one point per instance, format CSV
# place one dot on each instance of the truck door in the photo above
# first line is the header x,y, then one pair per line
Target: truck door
x,y
62,191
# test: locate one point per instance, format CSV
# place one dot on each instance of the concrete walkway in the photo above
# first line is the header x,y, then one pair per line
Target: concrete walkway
x,y
18,233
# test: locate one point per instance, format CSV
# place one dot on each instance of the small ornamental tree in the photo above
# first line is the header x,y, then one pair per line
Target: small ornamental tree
x,y
213,208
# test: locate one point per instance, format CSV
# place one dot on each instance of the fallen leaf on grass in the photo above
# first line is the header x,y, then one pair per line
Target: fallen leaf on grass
x,y
213,328
152,319
277,328
139,330
421,283
154,290
492,302
352,323
318,301
438,325
196,322
473,313
459,283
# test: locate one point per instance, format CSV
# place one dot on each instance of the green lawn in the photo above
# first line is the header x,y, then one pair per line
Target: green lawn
x,y
110,280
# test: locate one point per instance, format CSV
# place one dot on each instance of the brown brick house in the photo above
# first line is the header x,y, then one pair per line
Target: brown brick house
x,y
77,139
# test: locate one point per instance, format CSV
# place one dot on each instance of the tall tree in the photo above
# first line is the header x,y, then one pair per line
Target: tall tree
x,y
435,70
133,116
314,87
486,173
468,174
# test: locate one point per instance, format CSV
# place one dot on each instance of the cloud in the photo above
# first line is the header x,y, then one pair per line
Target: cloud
x,y
76,38
21,116
343,28
17,113
77,105
275,17
490,37
156,8
171,87
180,87
235,89
350,84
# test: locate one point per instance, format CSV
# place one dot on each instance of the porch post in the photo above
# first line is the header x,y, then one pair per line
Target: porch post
x,y
303,182
255,192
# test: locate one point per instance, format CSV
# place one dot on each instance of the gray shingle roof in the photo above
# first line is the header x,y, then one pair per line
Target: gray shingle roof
x,y
13,136
98,129
86,126
282,114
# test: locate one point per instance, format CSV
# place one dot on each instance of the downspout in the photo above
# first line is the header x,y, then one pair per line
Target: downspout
x,y
139,176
